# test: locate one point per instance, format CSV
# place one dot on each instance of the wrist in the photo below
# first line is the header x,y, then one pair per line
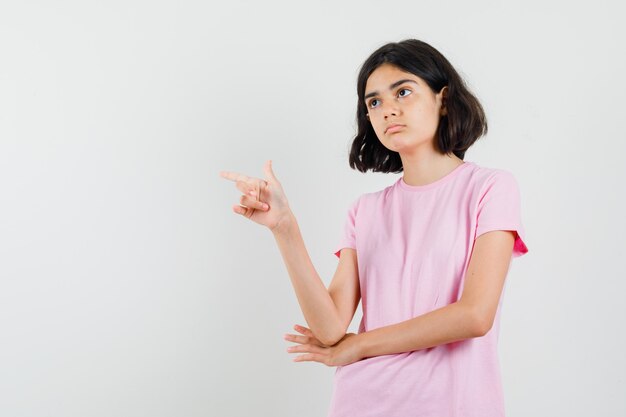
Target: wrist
x,y
285,224
360,343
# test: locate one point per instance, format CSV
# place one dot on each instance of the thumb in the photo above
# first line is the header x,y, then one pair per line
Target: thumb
x,y
269,173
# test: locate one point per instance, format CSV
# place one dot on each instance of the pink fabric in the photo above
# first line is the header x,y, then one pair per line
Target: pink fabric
x,y
413,245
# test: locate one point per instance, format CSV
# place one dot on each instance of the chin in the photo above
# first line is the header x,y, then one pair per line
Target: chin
x,y
399,141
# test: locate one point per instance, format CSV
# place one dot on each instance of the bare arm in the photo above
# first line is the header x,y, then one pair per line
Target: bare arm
x,y
472,316
315,301
264,202
447,324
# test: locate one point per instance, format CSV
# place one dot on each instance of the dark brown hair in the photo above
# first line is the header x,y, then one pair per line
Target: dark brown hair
x,y
463,124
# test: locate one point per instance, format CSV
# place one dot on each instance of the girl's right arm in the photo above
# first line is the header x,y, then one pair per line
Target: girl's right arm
x,y
264,202
318,307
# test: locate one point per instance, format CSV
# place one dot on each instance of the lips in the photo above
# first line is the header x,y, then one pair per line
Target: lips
x,y
393,128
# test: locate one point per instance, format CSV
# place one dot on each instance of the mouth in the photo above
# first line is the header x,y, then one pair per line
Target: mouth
x,y
393,128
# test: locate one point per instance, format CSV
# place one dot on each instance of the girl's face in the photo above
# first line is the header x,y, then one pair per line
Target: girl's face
x,y
395,97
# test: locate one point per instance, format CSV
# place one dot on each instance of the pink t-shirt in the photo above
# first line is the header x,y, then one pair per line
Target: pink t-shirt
x,y
413,245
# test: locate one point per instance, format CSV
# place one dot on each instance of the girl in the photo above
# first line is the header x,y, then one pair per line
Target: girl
x,y
427,256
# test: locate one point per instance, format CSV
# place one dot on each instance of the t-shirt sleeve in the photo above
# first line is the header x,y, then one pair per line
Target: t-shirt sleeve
x,y
347,238
499,208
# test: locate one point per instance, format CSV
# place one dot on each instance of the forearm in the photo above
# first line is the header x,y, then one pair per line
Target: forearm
x,y
317,306
447,324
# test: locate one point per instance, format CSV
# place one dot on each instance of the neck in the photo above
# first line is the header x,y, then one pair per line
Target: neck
x,y
423,168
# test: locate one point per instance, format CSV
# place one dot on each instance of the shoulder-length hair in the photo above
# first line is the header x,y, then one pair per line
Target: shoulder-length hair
x,y
463,124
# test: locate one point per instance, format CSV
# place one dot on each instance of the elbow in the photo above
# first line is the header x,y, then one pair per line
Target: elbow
x,y
482,325
333,338
482,329
329,341
478,324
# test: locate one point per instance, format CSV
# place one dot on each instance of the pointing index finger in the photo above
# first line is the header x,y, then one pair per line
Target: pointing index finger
x,y
233,176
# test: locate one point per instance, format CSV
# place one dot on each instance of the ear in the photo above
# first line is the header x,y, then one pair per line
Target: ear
x,y
444,94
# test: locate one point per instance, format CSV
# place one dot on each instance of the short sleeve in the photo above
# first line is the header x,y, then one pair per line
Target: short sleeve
x,y
499,208
347,238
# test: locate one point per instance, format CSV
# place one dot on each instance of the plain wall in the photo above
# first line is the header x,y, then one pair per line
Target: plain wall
x,y
129,287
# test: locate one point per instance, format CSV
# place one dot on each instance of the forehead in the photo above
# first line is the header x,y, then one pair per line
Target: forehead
x,y
384,75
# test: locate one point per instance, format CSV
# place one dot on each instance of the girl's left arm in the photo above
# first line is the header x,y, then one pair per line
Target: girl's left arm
x,y
447,324
471,316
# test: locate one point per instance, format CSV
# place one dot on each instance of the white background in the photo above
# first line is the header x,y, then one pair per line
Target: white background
x,y
129,287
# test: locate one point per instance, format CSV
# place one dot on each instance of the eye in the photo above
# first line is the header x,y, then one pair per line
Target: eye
x,y
370,105
404,95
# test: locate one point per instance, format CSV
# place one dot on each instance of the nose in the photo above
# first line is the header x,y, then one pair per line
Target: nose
x,y
391,110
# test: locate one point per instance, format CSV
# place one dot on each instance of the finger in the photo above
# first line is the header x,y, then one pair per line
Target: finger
x,y
234,176
309,357
309,336
250,187
244,183
252,203
297,339
306,348
269,172
244,211
303,330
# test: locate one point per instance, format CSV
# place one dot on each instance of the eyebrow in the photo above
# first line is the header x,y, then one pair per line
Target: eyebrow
x,y
391,87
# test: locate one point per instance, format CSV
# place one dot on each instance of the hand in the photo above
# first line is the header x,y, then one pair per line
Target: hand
x,y
263,201
344,352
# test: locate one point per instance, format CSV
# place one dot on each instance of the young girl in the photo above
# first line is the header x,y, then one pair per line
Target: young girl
x,y
427,256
